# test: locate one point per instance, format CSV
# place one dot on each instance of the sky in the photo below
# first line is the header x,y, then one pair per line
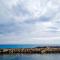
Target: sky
x,y
29,21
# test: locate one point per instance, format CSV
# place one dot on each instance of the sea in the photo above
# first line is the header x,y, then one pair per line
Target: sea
x,y
27,56
26,45
30,57
18,46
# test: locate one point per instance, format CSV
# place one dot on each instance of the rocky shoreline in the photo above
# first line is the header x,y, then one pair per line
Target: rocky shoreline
x,y
29,50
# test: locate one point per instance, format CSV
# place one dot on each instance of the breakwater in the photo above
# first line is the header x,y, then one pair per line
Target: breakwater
x,y
29,50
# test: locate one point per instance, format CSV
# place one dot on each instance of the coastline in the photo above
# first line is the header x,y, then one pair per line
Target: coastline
x,y
29,50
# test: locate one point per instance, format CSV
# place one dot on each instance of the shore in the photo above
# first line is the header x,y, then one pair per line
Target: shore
x,y
29,50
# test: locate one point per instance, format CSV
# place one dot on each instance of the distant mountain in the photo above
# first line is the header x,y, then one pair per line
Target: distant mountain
x,y
41,47
48,47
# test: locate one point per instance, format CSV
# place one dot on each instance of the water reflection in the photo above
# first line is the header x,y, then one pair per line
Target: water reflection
x,y
30,57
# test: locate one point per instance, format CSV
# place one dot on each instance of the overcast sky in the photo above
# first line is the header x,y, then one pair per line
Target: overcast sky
x,y
29,21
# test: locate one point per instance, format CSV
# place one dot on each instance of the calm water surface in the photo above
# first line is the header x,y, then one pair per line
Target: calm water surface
x,y
30,57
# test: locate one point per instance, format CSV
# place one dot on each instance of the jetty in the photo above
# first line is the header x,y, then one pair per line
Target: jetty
x,y
29,50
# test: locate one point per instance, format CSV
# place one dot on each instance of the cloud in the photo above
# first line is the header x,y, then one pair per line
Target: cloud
x,y
26,21
32,9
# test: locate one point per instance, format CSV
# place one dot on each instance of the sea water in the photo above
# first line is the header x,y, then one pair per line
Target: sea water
x,y
30,57
18,46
